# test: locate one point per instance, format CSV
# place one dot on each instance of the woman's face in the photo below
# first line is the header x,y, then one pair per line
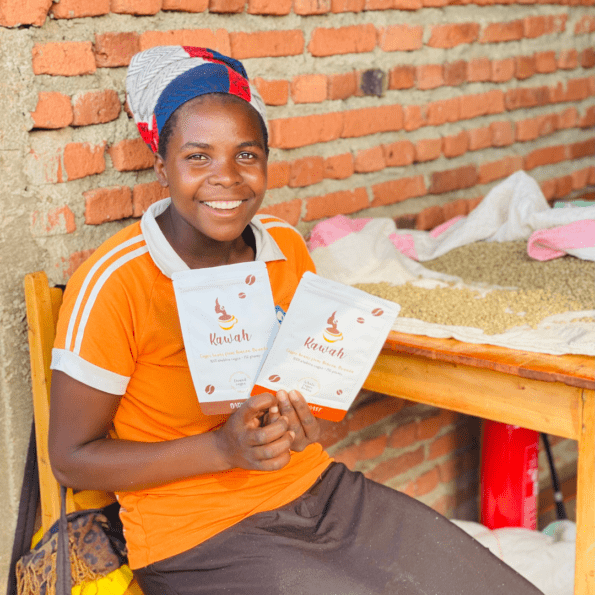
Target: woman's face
x,y
215,167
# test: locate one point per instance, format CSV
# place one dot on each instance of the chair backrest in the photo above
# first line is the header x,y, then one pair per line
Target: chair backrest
x,y
43,304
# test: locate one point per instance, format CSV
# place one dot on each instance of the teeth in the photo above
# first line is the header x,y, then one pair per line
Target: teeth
x,y
224,204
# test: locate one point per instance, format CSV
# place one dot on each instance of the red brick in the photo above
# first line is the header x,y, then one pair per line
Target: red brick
x,y
548,188
53,110
556,23
499,32
290,133
217,40
95,107
306,7
455,73
547,124
403,436
503,70
427,482
401,77
278,174
587,58
554,94
568,118
408,4
131,155
563,186
453,179
369,160
429,218
378,4
144,195
393,467
272,92
52,221
336,203
33,12
480,138
449,36
588,120
545,62
372,411
429,76
306,171
444,504
428,149
339,167
496,170
585,24
524,98
399,154
72,9
289,211
524,67
227,5
415,117
107,204
479,70
473,202
387,193
341,86
580,178
526,130
347,5
73,262
568,59
65,58
582,149
343,40
577,89
545,156
309,88
136,7
449,443
185,5
400,38
483,104
265,44
456,145
371,120
271,7
446,110
455,208
83,159
534,26
502,134
115,49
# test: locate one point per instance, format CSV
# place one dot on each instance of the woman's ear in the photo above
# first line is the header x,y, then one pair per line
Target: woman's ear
x,y
159,167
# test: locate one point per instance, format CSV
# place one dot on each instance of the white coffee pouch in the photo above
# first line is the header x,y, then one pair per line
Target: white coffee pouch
x,y
327,344
228,321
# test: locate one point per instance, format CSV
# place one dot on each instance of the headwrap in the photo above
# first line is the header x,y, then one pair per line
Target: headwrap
x,y
162,78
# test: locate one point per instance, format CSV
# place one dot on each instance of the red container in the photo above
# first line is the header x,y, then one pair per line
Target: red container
x,y
509,474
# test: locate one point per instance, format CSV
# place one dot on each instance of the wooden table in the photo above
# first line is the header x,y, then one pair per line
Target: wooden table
x,y
547,393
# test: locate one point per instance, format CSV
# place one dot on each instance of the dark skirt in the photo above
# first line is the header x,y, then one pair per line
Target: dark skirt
x,y
346,535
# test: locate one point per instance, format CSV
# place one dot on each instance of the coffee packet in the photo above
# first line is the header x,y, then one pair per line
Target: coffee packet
x,y
328,342
228,321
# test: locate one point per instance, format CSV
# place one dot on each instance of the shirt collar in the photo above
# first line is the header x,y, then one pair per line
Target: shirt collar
x,y
167,259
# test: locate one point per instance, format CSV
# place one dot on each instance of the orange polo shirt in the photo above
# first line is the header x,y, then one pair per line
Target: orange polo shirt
x,y
119,332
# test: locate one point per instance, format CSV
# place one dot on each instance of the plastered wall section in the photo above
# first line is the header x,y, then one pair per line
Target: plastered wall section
x,y
411,109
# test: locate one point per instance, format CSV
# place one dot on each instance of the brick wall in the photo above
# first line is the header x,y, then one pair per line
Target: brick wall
x,y
411,109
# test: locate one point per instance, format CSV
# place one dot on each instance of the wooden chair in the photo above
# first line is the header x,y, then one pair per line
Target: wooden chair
x,y
43,303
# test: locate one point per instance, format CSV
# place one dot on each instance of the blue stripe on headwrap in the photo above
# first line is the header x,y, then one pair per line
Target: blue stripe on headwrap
x,y
206,78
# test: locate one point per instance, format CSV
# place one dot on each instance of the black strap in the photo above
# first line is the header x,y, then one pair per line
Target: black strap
x,y
63,578
28,504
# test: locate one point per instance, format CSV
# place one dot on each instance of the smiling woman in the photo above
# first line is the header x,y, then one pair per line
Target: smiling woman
x,y
246,502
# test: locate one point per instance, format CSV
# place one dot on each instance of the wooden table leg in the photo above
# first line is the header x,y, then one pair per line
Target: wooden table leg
x,y
584,581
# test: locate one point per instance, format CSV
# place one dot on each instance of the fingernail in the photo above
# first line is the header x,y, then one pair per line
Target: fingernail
x,y
292,434
293,396
282,395
274,409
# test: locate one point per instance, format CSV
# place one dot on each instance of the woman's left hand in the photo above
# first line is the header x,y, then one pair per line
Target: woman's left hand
x,y
302,423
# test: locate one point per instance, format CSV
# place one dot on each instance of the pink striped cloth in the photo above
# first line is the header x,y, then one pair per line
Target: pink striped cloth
x,y
546,244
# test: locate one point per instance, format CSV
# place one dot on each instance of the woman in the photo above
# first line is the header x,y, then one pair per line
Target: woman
x,y
240,503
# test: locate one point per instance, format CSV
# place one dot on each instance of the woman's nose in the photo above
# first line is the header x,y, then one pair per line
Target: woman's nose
x,y
225,173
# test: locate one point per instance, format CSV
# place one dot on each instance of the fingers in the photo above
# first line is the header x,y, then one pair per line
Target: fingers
x,y
308,422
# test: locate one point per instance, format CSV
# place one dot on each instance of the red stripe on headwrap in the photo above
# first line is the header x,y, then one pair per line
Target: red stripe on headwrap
x,y
238,85
151,137
202,53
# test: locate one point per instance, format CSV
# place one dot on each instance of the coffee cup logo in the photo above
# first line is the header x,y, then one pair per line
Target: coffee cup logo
x,y
332,334
226,321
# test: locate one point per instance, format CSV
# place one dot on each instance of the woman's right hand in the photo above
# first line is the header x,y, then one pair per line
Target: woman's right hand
x,y
244,442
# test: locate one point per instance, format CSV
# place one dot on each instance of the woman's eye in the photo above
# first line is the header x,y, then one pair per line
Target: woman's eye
x,y
246,155
197,157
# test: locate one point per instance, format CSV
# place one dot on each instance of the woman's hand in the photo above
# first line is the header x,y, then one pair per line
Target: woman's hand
x,y
302,423
246,443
